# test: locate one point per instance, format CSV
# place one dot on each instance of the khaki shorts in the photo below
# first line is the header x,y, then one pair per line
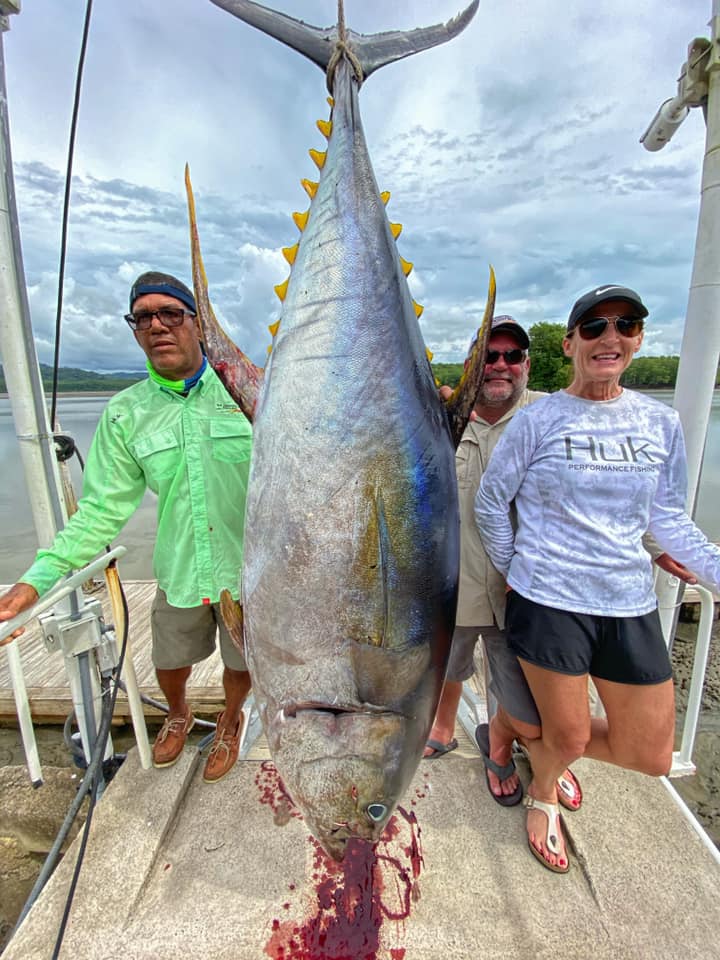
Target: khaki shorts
x,y
182,636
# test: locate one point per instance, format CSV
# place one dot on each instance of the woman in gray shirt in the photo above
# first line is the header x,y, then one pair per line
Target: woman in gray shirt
x,y
590,469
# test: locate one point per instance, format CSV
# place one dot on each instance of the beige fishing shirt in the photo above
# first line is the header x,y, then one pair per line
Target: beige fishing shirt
x,y
481,599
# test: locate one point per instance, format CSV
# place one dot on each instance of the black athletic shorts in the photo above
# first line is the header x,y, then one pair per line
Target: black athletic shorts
x,y
621,649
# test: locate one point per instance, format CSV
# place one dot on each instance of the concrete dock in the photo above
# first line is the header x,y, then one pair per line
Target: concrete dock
x,y
179,868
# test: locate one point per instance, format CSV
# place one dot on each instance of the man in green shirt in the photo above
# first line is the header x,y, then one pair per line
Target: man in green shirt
x,y
180,434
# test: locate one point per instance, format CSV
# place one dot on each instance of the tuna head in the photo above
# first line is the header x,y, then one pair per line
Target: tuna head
x,y
345,770
346,725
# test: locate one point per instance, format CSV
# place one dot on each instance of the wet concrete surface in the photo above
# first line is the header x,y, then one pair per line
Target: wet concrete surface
x,y
21,858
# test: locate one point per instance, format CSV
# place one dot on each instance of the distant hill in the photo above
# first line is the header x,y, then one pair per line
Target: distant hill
x,y
71,379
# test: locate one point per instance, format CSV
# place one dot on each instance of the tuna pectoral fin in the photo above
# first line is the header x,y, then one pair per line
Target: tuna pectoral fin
x,y
319,44
232,614
460,403
388,676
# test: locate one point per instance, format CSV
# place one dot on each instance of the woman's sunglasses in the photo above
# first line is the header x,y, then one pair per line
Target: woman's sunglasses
x,y
596,327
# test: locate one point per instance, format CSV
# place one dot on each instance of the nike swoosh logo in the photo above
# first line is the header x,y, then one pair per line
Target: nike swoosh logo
x,y
605,289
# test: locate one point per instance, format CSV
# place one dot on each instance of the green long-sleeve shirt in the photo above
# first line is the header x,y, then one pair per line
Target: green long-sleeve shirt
x,y
194,453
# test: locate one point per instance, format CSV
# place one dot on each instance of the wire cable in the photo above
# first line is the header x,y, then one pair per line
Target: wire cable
x,y
66,208
159,705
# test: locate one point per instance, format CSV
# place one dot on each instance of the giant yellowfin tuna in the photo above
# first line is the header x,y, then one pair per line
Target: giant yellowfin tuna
x,y
351,541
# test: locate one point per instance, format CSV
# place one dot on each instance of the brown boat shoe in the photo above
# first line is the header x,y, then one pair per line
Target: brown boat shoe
x,y
170,741
223,752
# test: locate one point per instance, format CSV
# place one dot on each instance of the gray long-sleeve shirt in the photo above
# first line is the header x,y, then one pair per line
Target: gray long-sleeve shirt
x,y
588,479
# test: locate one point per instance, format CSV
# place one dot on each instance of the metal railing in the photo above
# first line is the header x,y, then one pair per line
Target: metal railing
x,y
683,765
22,704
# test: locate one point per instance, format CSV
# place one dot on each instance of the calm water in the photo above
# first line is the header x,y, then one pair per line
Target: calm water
x,y
79,416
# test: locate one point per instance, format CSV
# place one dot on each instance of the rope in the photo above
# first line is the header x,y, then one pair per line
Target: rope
x,y
343,50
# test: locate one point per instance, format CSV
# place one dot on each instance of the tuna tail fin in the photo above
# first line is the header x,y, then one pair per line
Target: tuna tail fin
x,y
239,375
319,44
459,405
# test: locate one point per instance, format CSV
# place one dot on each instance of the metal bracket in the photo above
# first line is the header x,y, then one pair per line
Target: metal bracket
x,y
73,636
7,7
681,767
693,82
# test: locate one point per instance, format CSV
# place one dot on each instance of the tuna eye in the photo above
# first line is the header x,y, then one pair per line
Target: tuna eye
x,y
376,811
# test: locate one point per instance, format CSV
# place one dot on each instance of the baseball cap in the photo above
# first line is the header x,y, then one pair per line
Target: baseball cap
x,y
505,324
600,295
154,282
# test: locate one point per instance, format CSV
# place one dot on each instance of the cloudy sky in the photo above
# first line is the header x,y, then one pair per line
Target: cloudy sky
x,y
516,144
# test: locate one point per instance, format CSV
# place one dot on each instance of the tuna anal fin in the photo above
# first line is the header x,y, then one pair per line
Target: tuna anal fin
x,y
232,614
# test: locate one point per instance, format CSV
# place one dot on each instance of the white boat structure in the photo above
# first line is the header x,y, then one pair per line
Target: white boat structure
x,y
176,868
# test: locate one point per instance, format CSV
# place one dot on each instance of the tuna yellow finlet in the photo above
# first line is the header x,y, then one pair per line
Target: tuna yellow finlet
x,y
385,196
331,101
396,229
418,309
318,158
406,266
301,220
273,328
290,253
281,289
325,128
310,187
429,354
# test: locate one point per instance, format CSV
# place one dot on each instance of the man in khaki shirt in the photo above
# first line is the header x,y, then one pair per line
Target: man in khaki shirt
x,y
481,599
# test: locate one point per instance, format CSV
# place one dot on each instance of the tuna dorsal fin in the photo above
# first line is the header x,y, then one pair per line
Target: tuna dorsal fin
x,y
318,44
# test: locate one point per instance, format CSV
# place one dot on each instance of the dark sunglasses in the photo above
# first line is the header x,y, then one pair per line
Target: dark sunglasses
x,y
596,327
168,317
511,356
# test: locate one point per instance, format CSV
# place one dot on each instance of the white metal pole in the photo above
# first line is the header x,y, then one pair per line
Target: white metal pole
x,y
136,710
22,706
700,349
17,349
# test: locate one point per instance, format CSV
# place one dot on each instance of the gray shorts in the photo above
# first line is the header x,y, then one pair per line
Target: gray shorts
x,y
182,636
507,681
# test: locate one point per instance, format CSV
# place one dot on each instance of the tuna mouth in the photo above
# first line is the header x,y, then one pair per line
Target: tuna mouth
x,y
292,708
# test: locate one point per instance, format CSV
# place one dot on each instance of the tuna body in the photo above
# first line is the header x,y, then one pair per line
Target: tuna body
x,y
351,541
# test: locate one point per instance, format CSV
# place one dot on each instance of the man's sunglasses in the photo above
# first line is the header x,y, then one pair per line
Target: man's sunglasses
x,y
596,327
511,356
168,317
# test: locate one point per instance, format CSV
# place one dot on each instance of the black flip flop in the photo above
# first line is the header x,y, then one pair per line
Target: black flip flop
x,y
482,737
440,749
